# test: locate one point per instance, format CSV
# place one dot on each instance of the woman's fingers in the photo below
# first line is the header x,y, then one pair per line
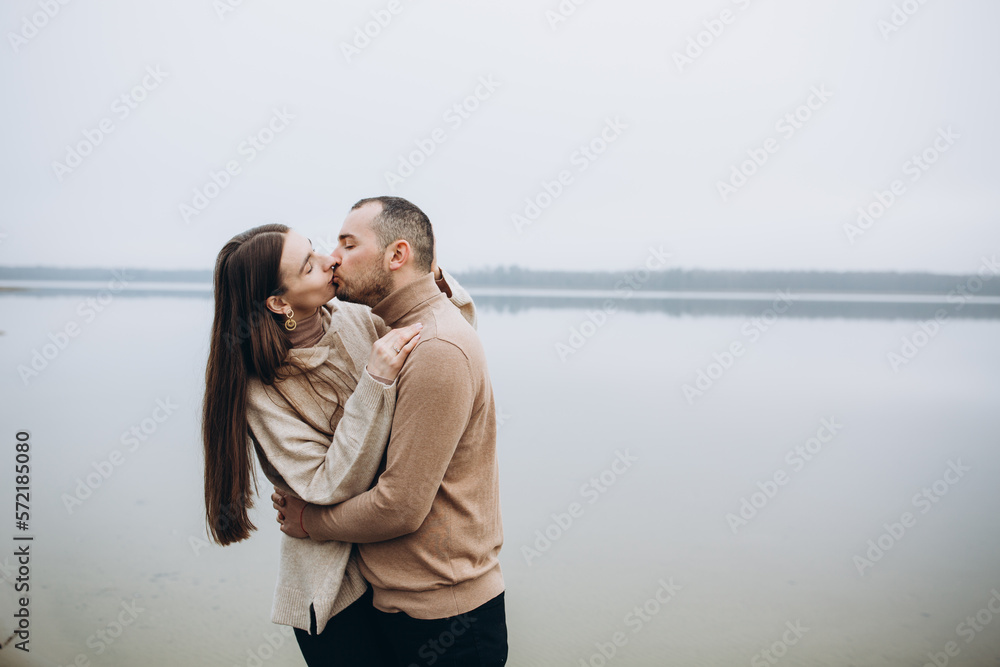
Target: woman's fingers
x,y
406,339
405,350
402,349
407,333
389,352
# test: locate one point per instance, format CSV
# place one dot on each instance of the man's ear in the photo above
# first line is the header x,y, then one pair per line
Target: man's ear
x,y
400,253
276,304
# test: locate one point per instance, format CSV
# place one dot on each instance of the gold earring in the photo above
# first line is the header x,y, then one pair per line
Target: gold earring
x,y
290,323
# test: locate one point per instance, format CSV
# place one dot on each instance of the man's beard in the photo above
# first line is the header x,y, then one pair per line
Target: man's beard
x,y
368,288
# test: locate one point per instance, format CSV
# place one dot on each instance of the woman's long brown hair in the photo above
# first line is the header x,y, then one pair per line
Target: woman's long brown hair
x,y
246,341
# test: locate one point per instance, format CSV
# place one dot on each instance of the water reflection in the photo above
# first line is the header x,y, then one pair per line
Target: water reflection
x,y
660,520
806,304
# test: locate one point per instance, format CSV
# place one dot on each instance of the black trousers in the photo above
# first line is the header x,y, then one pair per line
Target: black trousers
x,y
475,639
350,639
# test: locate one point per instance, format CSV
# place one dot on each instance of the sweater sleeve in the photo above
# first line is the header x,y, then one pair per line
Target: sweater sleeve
x,y
431,416
316,468
458,296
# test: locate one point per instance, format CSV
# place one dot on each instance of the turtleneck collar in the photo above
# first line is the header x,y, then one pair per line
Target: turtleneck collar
x,y
393,307
308,331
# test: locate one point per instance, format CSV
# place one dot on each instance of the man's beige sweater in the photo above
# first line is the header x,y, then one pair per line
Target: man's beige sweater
x,y
430,530
301,452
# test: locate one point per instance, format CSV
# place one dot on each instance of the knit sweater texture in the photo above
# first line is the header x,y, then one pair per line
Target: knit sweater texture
x,y
430,532
320,435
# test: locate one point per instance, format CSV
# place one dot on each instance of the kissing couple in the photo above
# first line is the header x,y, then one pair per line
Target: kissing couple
x,y
385,473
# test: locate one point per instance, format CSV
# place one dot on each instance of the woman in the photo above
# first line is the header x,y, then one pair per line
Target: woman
x,y
309,382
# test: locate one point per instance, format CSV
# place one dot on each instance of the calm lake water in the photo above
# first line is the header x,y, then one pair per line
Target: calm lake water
x,y
805,498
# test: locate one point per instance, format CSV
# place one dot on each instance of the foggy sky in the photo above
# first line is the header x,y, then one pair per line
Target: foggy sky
x,y
340,112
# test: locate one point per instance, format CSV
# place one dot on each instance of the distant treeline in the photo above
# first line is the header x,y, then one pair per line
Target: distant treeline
x,y
726,281
90,275
671,280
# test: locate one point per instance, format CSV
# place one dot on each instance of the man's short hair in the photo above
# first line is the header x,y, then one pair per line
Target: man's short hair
x,y
400,219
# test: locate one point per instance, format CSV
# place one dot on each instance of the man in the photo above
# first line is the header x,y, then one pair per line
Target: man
x,y
429,532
